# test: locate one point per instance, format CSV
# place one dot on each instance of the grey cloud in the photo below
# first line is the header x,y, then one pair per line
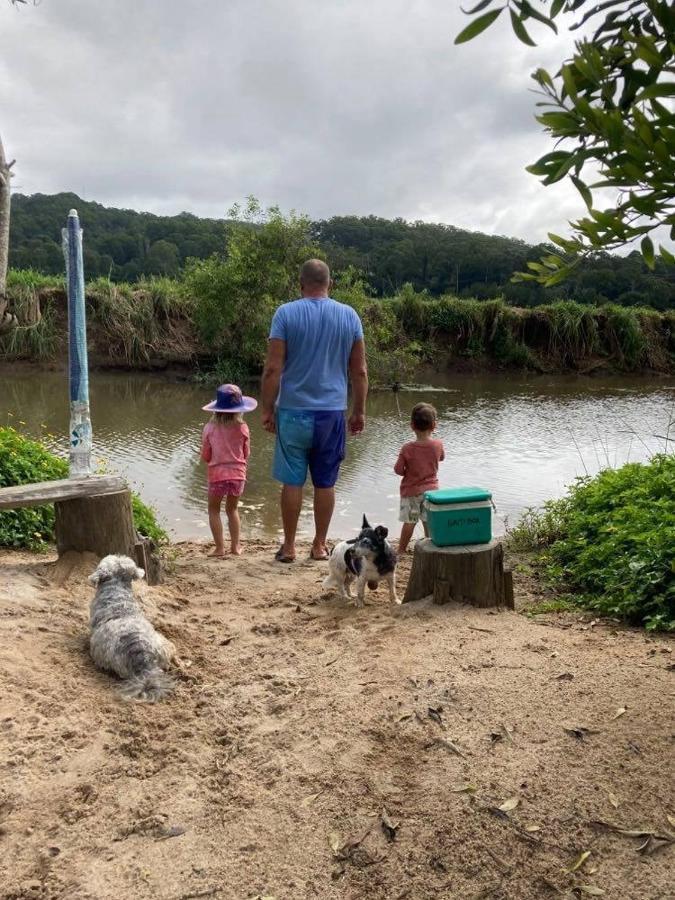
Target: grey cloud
x,y
333,108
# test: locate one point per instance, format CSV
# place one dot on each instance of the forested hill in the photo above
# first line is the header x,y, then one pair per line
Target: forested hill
x,y
125,245
120,243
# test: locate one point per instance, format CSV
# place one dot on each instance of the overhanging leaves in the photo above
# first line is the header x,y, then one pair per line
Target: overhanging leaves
x,y
608,107
478,26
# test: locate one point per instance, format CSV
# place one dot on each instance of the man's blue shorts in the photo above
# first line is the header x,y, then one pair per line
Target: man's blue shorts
x,y
311,439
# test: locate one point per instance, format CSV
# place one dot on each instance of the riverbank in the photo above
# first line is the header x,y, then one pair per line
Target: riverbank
x,y
300,720
157,326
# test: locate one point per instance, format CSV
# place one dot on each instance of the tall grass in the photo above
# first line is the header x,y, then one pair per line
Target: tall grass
x,y
36,336
158,318
573,331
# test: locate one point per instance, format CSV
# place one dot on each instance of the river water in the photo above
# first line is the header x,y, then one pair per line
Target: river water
x,y
522,438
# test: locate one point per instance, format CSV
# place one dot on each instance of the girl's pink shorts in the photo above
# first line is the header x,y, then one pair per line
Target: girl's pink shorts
x,y
229,488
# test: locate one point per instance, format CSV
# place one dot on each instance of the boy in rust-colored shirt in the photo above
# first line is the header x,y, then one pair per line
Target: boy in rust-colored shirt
x,y
418,464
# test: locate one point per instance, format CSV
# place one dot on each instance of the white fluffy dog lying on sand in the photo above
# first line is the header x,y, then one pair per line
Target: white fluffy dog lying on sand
x,y
122,640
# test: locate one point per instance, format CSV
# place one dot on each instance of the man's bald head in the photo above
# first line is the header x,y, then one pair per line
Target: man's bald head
x,y
314,275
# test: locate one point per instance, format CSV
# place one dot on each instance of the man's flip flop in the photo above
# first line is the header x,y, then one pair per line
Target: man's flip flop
x,y
282,557
322,557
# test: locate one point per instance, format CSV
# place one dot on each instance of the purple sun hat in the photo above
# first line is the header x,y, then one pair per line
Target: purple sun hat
x,y
229,399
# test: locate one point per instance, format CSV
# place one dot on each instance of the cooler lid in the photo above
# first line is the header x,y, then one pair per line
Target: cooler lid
x,y
458,495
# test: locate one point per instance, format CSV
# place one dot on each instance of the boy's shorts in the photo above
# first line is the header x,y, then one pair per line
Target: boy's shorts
x,y
412,510
309,439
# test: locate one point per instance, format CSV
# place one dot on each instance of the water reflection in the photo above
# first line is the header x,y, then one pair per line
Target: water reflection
x,y
525,439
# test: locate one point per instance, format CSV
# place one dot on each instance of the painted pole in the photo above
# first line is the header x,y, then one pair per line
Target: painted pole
x,y
80,423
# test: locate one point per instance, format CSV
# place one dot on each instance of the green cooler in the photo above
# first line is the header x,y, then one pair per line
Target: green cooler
x,y
459,516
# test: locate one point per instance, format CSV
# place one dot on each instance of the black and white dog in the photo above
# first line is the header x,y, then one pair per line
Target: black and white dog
x,y
366,559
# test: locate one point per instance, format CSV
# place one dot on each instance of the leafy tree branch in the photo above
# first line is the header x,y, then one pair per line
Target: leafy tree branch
x,y
610,111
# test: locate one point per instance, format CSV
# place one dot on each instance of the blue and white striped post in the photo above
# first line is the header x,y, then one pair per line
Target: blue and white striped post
x,y
80,423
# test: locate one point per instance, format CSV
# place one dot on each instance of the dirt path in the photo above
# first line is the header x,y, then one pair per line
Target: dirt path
x,y
267,773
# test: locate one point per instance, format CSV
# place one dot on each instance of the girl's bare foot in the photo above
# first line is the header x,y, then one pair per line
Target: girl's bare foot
x,y
236,550
218,553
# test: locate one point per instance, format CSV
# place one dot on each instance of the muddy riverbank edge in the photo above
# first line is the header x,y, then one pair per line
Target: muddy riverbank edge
x,y
315,750
142,330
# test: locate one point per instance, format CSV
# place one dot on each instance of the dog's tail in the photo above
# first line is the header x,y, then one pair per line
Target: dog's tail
x,y
148,687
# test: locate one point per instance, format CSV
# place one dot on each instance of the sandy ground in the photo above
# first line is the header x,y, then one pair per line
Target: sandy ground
x,y
267,773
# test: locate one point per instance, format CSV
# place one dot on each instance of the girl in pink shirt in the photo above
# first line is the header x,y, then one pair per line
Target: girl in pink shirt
x,y
418,464
226,447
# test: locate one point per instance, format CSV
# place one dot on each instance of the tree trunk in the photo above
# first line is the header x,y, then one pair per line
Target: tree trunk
x,y
7,321
100,525
467,574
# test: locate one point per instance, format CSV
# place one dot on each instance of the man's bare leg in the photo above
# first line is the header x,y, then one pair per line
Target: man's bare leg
x,y
324,504
291,504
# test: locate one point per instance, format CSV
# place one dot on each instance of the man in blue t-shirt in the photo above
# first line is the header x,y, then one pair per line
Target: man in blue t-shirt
x,y
315,346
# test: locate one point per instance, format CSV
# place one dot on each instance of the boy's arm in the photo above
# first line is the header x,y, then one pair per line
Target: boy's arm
x,y
400,466
442,456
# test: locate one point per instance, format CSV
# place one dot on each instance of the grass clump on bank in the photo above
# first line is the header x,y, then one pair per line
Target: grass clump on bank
x,y
36,336
611,541
27,461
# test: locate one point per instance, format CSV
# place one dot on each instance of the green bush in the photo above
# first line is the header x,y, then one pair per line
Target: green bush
x,y
145,521
611,540
25,461
236,294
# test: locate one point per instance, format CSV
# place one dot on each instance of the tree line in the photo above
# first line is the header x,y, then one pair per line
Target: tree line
x,y
126,245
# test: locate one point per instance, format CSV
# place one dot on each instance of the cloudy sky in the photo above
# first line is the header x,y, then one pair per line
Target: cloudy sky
x,y
331,107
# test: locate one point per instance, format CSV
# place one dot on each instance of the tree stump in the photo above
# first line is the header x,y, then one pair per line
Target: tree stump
x,y
472,573
101,525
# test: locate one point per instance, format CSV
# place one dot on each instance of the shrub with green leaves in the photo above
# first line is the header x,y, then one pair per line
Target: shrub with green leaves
x,y
612,541
146,522
23,461
236,294
26,461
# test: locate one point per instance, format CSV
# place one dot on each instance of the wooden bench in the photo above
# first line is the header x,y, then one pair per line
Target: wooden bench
x,y
93,514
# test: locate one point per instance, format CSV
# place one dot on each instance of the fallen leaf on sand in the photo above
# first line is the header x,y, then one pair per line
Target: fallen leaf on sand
x,y
435,714
532,828
388,827
671,820
613,800
653,843
307,801
334,841
445,745
503,734
620,711
510,804
654,840
173,831
564,676
590,890
580,731
463,789
343,847
579,861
